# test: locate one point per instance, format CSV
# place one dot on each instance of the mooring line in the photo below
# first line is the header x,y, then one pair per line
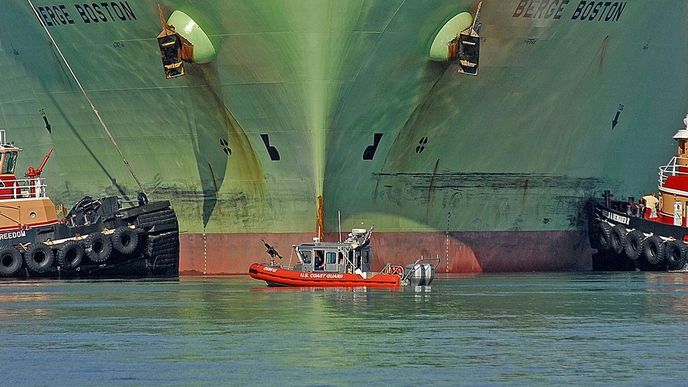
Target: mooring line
x,y
90,102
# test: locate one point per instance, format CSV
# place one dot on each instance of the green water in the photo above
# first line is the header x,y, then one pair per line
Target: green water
x,y
488,329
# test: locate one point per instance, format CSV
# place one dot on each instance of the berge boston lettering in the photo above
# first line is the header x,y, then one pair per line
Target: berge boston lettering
x,y
600,11
103,12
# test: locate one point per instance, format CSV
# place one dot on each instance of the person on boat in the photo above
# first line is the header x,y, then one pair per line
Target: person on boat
x,y
639,209
651,203
271,251
319,260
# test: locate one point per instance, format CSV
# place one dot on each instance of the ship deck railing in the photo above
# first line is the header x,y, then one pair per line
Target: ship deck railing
x,y
678,166
26,188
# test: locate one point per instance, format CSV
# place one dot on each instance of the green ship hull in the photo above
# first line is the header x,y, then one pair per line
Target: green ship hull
x,y
340,99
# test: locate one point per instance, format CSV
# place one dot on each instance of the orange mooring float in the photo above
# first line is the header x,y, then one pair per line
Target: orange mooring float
x,y
339,264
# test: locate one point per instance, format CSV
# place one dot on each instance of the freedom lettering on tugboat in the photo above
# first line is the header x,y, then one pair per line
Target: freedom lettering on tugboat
x,y
12,235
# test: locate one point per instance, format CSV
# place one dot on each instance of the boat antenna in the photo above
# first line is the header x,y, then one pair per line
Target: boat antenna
x,y
339,225
90,102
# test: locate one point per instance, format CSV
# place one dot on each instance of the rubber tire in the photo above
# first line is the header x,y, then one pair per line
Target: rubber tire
x,y
635,242
15,265
163,243
654,250
98,248
675,254
69,255
158,221
618,238
125,240
604,236
36,251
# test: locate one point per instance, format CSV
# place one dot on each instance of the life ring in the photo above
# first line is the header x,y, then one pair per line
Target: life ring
x,y
125,240
98,247
39,257
69,255
10,261
654,250
397,270
675,254
635,242
604,236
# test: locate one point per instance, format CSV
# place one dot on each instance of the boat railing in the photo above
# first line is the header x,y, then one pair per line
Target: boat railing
x,y
31,187
678,166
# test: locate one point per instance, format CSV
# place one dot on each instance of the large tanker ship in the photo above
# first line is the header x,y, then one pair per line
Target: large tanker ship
x,y
295,111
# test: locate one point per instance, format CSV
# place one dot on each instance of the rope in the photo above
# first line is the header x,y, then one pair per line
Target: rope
x,y
90,102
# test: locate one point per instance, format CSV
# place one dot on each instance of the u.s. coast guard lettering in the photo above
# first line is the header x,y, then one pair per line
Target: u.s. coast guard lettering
x,y
95,12
321,275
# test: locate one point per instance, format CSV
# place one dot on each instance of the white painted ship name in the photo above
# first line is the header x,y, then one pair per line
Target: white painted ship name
x,y
616,217
12,235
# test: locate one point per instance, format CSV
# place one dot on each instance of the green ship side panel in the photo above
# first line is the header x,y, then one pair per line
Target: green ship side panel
x,y
298,92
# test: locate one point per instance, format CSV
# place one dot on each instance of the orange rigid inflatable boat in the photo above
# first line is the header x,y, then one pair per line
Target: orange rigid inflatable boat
x,y
277,276
338,264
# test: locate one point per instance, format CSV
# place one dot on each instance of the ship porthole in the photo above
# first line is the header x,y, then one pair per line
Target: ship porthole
x,y
32,215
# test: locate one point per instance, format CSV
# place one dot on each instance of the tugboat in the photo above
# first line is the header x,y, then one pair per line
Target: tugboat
x,y
339,264
650,234
98,238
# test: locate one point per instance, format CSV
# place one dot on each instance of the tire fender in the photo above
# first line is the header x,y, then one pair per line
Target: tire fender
x,y
653,251
39,257
69,255
98,247
604,236
675,254
11,261
125,240
618,238
635,243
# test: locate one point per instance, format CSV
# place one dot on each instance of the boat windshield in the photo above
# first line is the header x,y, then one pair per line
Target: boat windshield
x,y
10,161
305,256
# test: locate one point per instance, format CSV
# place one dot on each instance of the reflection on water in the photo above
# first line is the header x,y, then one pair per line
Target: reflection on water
x,y
544,328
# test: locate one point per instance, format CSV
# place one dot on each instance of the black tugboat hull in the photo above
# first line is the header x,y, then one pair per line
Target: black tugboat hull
x,y
654,246
99,240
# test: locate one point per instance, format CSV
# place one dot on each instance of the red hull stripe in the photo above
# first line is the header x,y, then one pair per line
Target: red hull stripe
x,y
278,276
